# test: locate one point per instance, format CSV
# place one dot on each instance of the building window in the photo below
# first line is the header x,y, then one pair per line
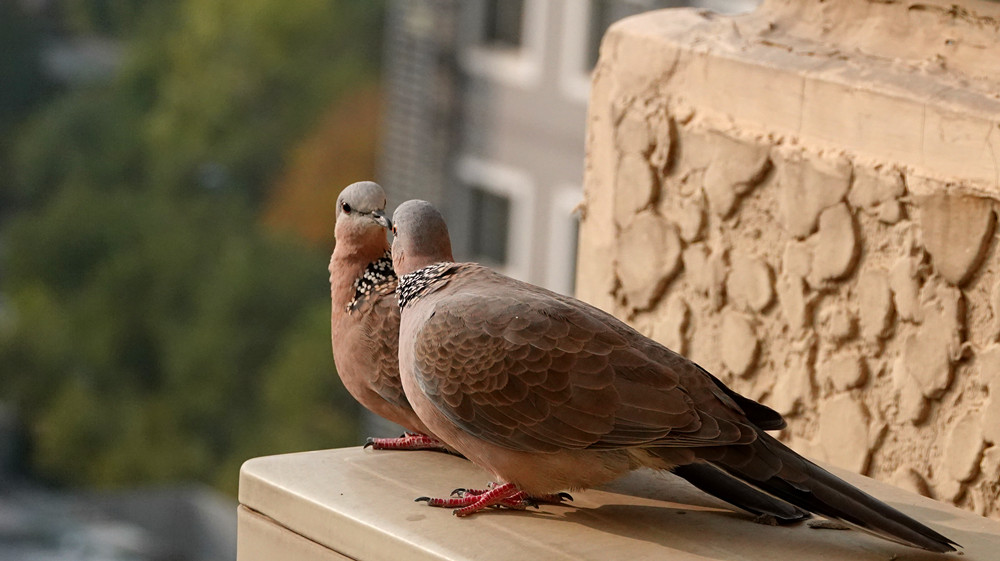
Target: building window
x,y
504,40
491,213
503,23
501,207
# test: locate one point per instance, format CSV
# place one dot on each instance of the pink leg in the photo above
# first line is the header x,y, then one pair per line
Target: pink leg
x,y
521,500
409,441
500,495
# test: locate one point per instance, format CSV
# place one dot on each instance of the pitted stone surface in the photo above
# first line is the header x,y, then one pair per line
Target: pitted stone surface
x,y
927,361
905,285
877,192
736,168
875,309
707,272
749,285
635,186
671,328
843,371
964,447
905,477
739,353
689,215
633,135
956,229
795,302
836,249
664,134
991,418
834,321
797,258
843,433
807,188
995,306
913,406
649,252
794,386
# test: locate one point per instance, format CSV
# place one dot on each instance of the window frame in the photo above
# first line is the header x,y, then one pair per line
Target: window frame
x,y
517,186
516,67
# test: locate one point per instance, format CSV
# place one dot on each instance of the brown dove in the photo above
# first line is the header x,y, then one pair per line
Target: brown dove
x,y
548,393
364,318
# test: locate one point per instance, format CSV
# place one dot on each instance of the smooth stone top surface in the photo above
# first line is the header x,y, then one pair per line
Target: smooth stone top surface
x,y
359,503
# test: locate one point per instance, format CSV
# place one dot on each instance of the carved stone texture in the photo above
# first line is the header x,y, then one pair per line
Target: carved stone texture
x,y
749,285
689,215
807,188
635,186
991,419
797,258
929,352
988,362
795,302
905,285
995,306
633,135
875,308
964,447
836,250
913,406
905,477
738,342
671,327
835,322
928,363
844,371
649,255
794,385
990,463
956,229
877,192
843,433
736,168
664,134
707,273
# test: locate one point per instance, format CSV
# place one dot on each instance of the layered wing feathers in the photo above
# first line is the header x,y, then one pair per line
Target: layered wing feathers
x,y
527,369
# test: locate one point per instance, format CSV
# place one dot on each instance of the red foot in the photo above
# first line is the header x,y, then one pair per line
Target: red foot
x,y
409,441
498,495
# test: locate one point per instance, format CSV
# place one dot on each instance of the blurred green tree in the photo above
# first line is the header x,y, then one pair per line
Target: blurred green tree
x,y
153,328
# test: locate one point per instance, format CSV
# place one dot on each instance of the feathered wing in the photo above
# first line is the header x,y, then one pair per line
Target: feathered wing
x,y
380,320
525,369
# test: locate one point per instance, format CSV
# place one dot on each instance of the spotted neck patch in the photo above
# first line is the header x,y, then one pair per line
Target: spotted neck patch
x,y
416,284
378,274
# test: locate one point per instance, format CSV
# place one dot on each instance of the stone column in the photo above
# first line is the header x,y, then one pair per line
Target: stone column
x,y
803,200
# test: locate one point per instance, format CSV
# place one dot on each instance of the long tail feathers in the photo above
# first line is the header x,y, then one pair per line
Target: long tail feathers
x,y
730,489
808,486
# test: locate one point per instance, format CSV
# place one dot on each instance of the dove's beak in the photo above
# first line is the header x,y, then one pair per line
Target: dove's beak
x,y
382,220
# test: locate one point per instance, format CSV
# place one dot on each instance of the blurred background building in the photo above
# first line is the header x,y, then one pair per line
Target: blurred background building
x,y
168,172
485,115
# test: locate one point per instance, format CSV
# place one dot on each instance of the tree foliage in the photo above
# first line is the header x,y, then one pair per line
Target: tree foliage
x,y
152,328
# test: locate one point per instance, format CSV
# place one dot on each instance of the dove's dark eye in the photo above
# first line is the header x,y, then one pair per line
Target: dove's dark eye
x,y
345,207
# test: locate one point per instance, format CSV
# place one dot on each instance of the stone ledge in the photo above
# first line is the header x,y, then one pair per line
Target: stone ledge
x,y
358,504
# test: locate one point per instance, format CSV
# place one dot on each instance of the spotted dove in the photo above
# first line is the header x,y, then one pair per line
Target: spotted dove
x,y
365,314
547,393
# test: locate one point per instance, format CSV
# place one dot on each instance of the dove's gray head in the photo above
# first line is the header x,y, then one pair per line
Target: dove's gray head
x,y
421,237
361,214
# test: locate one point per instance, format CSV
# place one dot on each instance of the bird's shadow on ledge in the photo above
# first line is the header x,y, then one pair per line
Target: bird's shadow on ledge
x,y
728,535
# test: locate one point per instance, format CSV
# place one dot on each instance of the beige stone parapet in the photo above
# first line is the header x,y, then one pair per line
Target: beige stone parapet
x,y
804,201
358,504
